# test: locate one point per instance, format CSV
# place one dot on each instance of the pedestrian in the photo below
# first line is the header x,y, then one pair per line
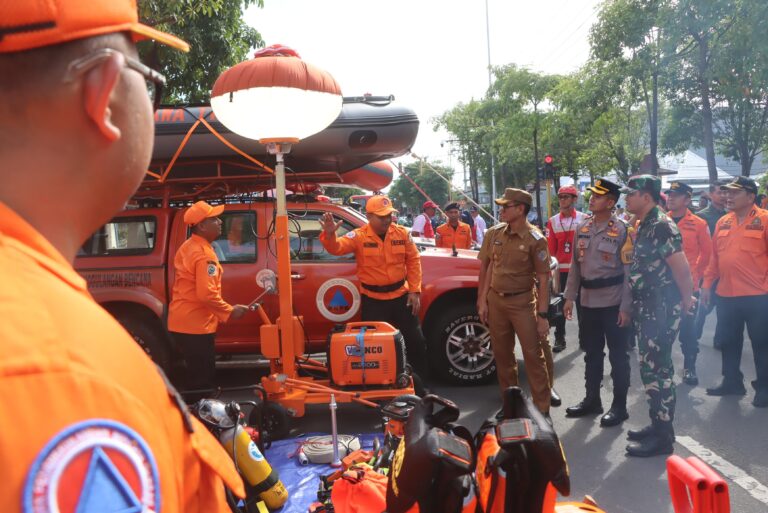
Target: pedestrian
x,y
389,270
480,226
697,246
740,262
466,218
89,423
197,307
422,224
560,238
599,275
661,290
716,207
513,294
454,234
712,214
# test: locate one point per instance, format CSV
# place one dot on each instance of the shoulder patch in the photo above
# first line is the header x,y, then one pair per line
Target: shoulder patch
x,y
121,472
537,234
542,255
351,235
498,226
211,269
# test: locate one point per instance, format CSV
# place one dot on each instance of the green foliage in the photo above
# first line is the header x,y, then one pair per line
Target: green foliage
x,y
217,34
405,195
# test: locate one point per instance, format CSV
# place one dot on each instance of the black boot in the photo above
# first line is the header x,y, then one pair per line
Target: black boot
x,y
689,377
636,435
554,398
589,406
615,415
660,441
559,345
728,388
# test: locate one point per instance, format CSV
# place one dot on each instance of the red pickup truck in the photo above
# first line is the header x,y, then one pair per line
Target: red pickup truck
x,y
128,264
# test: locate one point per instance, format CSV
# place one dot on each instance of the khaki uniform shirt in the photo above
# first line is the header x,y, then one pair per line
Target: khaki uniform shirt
x,y
516,256
602,251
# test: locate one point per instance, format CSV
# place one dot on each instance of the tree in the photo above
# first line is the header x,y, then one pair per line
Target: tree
x,y
405,195
695,29
217,34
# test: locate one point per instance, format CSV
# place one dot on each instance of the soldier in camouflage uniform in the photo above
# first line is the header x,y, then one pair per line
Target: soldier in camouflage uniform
x,y
661,289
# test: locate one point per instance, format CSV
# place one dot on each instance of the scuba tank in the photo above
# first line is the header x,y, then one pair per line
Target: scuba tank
x,y
223,420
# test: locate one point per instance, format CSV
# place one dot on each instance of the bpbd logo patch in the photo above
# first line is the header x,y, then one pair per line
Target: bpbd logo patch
x,y
96,466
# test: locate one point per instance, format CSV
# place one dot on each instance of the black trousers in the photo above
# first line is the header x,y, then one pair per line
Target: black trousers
x,y
200,356
600,328
734,313
397,313
560,323
689,338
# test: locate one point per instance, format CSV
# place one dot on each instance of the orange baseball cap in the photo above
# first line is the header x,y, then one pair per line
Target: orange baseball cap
x,y
201,211
33,24
379,205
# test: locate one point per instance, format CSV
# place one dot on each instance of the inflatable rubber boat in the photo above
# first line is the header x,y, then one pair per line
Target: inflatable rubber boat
x,y
191,144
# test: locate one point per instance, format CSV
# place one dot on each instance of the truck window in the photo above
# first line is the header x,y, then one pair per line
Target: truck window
x,y
122,237
237,242
305,239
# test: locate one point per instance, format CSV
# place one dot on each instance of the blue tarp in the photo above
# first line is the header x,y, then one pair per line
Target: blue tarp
x,y
302,481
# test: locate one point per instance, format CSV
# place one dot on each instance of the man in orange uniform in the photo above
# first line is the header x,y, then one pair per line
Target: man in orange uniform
x,y
389,269
697,246
113,434
454,234
740,261
196,307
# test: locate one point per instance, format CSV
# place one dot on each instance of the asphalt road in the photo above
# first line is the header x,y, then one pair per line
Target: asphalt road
x,y
728,432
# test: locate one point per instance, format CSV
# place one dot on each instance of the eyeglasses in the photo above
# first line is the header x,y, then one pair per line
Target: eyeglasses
x,y
155,80
564,196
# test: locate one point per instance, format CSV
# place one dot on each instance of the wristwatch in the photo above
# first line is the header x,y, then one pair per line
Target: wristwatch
x,y
543,315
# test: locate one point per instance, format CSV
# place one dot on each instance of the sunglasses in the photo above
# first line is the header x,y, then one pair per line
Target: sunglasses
x,y
155,81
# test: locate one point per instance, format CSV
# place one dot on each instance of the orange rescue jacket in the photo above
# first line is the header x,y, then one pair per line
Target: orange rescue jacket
x,y
112,427
196,304
697,245
447,236
380,263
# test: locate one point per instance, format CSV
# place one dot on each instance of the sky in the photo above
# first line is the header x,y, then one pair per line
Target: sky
x,y
429,54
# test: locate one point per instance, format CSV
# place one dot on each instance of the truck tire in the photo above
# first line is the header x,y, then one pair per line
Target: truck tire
x,y
460,347
149,334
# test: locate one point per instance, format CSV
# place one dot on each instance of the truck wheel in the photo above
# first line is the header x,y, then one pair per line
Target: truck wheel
x,y
150,336
272,419
460,346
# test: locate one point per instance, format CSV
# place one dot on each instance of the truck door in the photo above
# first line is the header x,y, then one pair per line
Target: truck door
x,y
324,286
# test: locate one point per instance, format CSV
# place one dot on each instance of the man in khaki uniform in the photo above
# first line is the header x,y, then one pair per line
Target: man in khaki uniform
x,y
514,258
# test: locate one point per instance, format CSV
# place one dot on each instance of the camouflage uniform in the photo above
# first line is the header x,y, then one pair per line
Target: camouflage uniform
x,y
656,305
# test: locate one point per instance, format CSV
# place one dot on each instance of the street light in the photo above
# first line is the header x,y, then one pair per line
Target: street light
x,y
278,99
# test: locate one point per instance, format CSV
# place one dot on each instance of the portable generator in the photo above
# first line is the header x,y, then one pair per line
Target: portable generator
x,y
366,353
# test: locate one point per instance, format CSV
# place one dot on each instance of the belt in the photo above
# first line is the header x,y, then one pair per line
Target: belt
x,y
510,294
383,288
601,283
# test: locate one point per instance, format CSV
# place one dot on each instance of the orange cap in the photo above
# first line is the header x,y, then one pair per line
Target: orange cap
x,y
379,205
200,211
34,24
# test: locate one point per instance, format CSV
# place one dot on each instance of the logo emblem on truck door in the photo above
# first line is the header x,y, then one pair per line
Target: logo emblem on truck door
x,y
338,300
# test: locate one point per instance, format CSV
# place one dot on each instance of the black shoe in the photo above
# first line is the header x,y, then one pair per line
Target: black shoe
x,y
554,398
585,407
559,345
614,417
761,399
725,388
689,377
635,435
652,445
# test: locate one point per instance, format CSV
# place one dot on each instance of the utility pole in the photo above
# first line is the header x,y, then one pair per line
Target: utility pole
x,y
490,82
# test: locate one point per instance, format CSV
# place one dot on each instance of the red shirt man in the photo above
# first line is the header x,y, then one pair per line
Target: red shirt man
x,y
560,231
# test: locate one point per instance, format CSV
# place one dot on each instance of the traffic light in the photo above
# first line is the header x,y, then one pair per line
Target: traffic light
x,y
549,170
